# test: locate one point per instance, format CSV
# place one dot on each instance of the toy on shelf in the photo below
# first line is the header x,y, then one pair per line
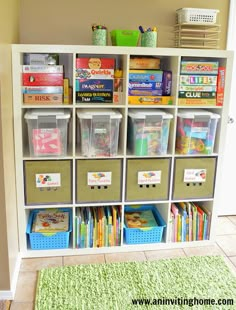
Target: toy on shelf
x,y
196,132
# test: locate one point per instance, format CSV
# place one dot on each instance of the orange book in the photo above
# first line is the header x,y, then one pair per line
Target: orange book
x,y
200,222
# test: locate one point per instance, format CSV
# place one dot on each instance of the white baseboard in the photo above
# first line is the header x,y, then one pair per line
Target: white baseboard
x,y
9,295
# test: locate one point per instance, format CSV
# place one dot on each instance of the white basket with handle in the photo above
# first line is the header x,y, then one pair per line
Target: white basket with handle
x,y
196,16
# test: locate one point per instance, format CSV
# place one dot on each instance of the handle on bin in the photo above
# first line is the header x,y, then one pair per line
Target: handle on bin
x,y
101,117
154,118
202,118
47,119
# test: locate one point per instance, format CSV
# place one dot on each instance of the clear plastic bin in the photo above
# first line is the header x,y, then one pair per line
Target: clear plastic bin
x,y
98,133
148,131
196,130
47,131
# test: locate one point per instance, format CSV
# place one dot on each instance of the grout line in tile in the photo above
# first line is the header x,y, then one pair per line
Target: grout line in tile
x,y
221,248
145,255
231,220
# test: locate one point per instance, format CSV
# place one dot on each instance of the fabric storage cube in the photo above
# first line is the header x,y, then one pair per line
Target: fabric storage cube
x,y
98,180
47,131
194,177
147,179
148,132
139,235
44,241
98,132
48,182
196,131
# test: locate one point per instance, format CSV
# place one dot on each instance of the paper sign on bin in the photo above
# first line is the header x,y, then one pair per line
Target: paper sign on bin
x,y
99,178
149,177
194,175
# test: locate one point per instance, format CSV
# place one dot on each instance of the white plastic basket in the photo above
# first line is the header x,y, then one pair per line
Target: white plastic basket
x,y
196,16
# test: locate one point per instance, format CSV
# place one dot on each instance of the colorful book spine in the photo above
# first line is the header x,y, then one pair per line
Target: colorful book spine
x,y
175,211
220,86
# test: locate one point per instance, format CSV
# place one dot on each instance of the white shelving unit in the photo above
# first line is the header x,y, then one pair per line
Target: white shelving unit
x,y
170,60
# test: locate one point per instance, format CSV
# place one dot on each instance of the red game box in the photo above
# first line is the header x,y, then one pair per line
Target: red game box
x,y
42,79
95,63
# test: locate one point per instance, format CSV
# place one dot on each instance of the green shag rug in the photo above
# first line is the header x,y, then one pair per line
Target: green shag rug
x,y
181,283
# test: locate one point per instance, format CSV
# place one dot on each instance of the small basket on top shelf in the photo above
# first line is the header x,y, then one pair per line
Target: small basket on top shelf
x,y
197,28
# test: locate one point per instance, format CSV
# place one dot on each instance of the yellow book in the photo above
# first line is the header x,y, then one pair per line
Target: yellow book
x,y
66,95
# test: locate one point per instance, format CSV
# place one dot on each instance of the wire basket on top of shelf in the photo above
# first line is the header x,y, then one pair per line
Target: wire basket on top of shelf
x,y
196,16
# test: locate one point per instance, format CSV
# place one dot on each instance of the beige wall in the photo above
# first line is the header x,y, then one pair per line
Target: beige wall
x,y
9,11
69,22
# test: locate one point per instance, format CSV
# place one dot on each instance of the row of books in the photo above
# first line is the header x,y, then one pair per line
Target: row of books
x,y
189,222
98,226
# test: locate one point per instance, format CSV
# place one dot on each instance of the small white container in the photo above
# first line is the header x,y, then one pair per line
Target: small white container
x,y
196,131
148,131
196,16
47,131
98,133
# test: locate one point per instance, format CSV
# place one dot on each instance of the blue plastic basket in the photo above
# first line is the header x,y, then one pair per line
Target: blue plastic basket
x,y
144,235
41,241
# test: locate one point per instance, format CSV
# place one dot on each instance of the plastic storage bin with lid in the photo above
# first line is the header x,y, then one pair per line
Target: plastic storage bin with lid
x,y
196,131
148,131
98,132
47,131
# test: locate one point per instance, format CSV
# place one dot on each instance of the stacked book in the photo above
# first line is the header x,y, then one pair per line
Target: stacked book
x,y
148,84
98,226
42,81
50,221
189,222
94,80
201,83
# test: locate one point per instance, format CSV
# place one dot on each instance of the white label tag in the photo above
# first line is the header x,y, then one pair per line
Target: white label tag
x,y
194,175
149,177
48,180
99,178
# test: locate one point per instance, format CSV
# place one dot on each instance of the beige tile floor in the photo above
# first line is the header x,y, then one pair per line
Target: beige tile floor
x,y
225,245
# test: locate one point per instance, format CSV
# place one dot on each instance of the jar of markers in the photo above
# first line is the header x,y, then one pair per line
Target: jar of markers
x,y
99,35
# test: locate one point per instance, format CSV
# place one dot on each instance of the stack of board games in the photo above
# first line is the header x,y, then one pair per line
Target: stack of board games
x,y
42,80
201,83
148,84
94,80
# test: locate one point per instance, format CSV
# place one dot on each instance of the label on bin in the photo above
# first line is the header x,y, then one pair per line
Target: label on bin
x,y
149,177
194,175
48,180
99,178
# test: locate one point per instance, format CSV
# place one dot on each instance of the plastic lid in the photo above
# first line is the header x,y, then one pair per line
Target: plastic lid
x,y
143,113
197,113
89,114
58,113
199,9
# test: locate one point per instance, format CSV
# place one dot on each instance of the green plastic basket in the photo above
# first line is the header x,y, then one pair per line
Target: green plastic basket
x,y
124,37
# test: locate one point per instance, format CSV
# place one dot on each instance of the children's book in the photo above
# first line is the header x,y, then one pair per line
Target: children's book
x,y
200,222
171,227
48,222
182,210
195,222
190,219
208,225
140,219
175,211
